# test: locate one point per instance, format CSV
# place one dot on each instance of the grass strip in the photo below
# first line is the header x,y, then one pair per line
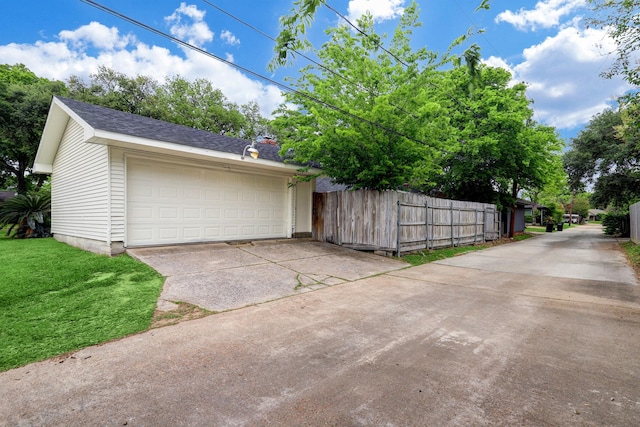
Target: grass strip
x,y
427,256
56,298
633,255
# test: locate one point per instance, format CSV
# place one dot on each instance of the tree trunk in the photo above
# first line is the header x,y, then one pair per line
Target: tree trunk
x,y
514,208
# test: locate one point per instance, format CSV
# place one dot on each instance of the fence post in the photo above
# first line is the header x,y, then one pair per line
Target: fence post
x,y
475,228
459,225
426,223
453,242
398,232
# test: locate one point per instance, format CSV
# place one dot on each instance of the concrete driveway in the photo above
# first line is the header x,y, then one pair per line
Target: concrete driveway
x,y
221,276
540,332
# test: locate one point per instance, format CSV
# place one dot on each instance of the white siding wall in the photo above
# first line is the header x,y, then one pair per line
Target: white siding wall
x,y
79,188
303,207
118,201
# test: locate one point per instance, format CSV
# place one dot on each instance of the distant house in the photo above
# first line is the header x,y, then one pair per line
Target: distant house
x,y
593,213
519,217
119,180
540,212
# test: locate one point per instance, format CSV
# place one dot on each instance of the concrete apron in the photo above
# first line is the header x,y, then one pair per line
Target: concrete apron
x,y
223,276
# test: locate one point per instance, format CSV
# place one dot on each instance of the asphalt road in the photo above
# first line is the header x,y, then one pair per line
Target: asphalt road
x,y
540,332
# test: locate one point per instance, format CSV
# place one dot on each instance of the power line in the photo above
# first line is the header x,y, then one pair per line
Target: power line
x,y
355,27
244,69
313,61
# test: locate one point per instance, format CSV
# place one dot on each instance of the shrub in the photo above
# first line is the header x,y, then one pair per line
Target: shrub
x,y
616,224
30,213
528,219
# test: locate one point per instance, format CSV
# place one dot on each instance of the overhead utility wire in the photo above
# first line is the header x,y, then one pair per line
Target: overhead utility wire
x,y
246,70
455,99
292,50
355,27
482,34
329,70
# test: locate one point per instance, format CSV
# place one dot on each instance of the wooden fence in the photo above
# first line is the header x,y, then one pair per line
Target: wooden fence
x,y
634,222
399,222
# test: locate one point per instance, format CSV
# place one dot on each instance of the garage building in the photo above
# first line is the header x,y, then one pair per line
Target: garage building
x,y
120,180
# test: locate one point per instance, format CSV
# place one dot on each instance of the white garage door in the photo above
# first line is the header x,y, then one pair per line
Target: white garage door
x,y
171,203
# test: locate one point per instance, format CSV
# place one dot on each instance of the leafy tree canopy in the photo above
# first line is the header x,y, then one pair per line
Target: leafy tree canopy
x,y
24,104
196,104
499,149
603,155
388,119
367,117
621,18
294,26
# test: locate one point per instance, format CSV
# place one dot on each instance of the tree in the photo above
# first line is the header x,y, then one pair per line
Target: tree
x,y
621,20
24,105
255,125
365,116
293,28
199,105
581,205
112,89
604,155
500,150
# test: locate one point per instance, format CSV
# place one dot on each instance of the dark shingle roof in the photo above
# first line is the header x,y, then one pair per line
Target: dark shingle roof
x,y
326,185
106,119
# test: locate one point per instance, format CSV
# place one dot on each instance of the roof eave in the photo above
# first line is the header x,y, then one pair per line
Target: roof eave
x,y
115,139
54,128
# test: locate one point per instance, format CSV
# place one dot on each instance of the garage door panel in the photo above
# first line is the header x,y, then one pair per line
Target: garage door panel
x,y
177,204
213,195
192,194
191,233
168,213
212,213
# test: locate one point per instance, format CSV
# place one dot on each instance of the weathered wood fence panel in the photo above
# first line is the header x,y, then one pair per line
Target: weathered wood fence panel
x,y
634,220
399,222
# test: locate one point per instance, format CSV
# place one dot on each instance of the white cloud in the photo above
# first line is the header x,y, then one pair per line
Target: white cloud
x,y
546,14
80,52
229,38
193,30
98,35
497,62
381,10
563,74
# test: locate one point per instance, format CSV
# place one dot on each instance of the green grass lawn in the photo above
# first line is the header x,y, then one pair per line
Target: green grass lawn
x,y
56,298
633,255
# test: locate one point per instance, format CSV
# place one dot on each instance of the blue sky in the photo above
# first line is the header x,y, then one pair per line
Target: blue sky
x,y
544,43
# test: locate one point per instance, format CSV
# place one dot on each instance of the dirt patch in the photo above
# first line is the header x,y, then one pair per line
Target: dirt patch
x,y
184,312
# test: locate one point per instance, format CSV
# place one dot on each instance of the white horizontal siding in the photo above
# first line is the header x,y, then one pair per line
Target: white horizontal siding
x,y
118,185
79,187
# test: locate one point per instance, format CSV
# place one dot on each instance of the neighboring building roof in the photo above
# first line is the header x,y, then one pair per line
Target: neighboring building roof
x,y
528,204
595,212
113,127
144,127
325,185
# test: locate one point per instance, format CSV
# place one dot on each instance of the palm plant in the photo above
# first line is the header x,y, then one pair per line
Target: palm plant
x,y
30,213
